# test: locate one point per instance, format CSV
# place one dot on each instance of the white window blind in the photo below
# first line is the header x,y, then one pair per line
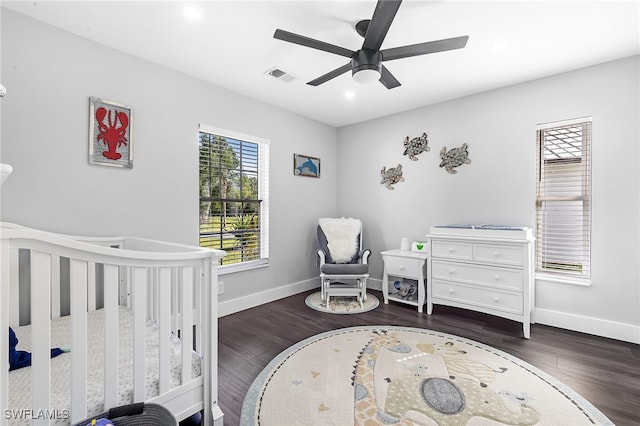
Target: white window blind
x,y
234,196
563,198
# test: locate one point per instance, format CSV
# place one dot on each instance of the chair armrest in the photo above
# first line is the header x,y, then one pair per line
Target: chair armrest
x,y
322,255
364,255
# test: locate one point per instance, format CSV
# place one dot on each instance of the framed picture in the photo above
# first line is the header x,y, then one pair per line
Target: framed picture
x,y
110,133
304,165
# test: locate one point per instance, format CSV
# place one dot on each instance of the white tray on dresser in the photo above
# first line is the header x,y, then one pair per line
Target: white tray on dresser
x,y
485,268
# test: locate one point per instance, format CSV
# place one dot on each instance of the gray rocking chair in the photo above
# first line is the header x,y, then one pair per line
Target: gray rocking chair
x,y
342,259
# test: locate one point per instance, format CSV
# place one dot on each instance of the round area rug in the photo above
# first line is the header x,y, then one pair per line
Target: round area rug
x,y
341,304
399,375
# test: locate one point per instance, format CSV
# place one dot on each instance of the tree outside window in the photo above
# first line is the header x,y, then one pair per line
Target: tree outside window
x,y
230,202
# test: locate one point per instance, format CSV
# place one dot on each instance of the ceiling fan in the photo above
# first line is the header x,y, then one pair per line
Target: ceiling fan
x,y
366,63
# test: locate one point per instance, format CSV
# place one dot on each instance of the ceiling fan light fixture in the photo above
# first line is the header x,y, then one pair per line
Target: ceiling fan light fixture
x,y
366,66
366,76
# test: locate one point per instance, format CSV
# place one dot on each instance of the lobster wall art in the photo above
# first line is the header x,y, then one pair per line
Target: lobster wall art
x,y
110,134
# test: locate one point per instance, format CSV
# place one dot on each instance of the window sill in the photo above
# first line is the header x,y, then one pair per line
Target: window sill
x,y
240,267
562,279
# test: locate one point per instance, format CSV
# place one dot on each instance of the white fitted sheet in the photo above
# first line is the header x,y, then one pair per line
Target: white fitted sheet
x,y
20,380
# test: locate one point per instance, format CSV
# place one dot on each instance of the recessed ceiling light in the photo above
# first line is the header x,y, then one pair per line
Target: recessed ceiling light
x,y
349,94
192,13
499,46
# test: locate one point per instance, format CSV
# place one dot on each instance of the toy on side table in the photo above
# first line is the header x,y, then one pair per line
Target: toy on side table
x,y
407,289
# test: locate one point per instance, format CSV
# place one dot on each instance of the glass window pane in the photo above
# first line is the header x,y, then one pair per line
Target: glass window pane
x,y
563,224
229,182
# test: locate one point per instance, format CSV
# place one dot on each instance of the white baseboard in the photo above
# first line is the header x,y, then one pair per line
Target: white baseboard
x,y
252,300
595,326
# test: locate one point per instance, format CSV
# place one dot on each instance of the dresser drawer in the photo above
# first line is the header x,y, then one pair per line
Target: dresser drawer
x,y
408,268
452,250
498,253
477,296
507,279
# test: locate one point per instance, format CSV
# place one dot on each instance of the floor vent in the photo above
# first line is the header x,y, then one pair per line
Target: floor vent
x,y
280,75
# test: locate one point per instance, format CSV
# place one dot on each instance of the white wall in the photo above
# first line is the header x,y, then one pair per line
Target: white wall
x,y
499,185
50,75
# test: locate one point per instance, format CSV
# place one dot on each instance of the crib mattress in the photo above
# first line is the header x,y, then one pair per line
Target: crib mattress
x,y
20,380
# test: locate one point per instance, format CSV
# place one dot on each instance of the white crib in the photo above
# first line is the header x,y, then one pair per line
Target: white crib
x,y
169,292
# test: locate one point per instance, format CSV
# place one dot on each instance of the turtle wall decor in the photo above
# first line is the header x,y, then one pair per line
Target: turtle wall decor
x,y
416,146
392,176
455,157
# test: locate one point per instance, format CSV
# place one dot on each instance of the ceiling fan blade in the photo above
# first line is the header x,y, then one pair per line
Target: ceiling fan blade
x,y
424,48
312,43
380,22
387,79
331,74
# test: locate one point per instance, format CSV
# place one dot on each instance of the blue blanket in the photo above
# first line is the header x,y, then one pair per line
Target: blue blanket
x,y
19,359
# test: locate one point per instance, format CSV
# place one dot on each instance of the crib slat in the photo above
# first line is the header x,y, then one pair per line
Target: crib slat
x,y
111,283
175,288
91,286
155,300
187,322
125,286
14,287
40,333
164,327
198,306
139,290
55,286
78,286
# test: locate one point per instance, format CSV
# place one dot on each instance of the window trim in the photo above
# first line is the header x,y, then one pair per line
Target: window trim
x,y
562,279
263,194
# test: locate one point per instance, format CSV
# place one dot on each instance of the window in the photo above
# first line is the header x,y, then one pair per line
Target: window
x,y
234,199
563,198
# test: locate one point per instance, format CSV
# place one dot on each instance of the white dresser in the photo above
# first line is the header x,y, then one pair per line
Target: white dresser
x,y
483,268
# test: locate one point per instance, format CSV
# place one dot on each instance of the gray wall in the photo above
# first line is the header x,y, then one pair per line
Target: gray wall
x,y
499,185
50,75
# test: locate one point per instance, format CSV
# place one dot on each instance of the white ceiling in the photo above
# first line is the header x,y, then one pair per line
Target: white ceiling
x,y
232,45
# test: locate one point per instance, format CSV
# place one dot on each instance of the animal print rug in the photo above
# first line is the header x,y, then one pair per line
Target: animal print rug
x,y
407,376
341,304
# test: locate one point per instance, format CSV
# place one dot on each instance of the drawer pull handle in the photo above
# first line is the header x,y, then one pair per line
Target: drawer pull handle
x,y
401,267
452,271
496,254
496,277
496,299
451,250
452,291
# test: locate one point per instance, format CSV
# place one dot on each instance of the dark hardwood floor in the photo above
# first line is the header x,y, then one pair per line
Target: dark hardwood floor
x,y
606,372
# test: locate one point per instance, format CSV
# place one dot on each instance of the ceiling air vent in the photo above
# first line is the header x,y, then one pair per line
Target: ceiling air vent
x,y
280,75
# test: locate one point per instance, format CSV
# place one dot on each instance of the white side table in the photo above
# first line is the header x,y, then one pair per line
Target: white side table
x,y
404,264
